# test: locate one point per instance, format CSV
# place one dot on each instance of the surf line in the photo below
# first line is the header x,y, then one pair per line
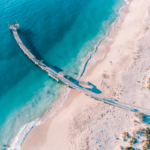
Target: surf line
x,y
56,73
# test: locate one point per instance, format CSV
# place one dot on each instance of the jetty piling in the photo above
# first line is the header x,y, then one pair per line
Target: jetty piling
x,y
56,73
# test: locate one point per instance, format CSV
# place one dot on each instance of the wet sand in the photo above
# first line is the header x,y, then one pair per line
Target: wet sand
x,y
84,123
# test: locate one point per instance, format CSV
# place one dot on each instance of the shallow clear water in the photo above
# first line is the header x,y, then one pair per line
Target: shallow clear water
x,y
60,32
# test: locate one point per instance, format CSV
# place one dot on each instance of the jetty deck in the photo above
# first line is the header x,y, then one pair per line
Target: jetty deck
x,y
59,76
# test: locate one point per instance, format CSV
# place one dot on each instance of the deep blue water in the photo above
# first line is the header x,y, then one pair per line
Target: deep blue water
x,y
60,32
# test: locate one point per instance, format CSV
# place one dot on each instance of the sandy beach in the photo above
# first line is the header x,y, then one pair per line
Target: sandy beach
x,y
86,124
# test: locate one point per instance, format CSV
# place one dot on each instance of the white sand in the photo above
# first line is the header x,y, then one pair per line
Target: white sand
x,y
83,123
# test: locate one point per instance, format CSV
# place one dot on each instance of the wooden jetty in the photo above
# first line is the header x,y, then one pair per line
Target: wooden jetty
x,y
57,74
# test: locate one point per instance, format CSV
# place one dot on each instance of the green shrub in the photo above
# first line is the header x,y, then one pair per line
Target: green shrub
x,y
126,134
146,132
133,140
129,148
139,115
148,87
146,145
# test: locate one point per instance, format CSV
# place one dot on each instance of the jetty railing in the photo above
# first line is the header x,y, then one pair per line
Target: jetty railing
x,y
58,76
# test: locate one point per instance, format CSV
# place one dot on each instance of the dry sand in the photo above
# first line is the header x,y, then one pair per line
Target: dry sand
x,y
86,124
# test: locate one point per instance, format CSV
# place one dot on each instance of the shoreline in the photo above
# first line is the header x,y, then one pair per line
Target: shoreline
x,y
88,58
59,103
72,95
83,72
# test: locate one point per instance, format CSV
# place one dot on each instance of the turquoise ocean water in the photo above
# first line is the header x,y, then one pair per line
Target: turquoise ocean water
x,y
60,32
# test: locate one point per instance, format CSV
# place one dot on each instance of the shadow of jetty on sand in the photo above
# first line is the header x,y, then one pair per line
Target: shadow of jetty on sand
x,y
87,88
94,88
97,96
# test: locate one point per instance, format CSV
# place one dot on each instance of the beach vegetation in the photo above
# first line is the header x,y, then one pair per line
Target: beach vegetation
x,y
146,145
126,134
133,140
121,147
143,141
139,115
129,148
146,132
137,131
148,87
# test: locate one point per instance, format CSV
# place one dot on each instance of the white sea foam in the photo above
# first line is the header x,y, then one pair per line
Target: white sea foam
x,y
92,57
119,17
17,142
24,131
67,91
120,10
127,2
